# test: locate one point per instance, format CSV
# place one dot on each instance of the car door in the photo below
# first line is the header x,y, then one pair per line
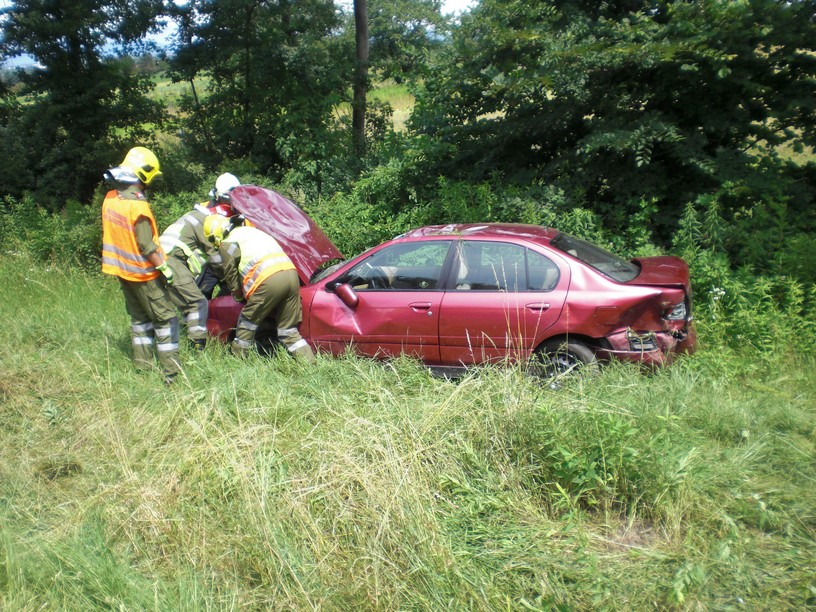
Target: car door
x,y
399,289
501,299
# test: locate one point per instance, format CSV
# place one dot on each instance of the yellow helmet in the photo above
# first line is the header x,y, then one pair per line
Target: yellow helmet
x,y
143,163
216,227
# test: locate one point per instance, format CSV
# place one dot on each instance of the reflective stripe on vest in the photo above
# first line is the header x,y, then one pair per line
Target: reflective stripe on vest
x,y
171,238
121,255
261,256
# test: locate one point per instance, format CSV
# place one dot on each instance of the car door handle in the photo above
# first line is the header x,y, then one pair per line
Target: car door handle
x,y
538,307
420,305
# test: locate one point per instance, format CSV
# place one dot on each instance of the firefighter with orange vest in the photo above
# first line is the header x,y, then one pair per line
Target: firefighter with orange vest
x,y
194,260
257,270
131,252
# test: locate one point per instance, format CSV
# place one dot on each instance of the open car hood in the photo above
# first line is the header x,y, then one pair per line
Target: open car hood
x,y
301,239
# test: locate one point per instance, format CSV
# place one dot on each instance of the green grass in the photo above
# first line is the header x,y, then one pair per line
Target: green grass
x,y
169,93
401,101
267,483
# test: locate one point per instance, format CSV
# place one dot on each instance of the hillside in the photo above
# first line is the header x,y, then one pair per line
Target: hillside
x,y
351,484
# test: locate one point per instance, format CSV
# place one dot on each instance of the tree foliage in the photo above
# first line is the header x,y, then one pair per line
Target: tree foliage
x,y
403,34
612,119
275,75
81,107
270,82
630,105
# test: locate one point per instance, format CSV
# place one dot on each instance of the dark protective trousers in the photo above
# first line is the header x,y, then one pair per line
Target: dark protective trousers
x,y
279,297
187,297
153,325
208,282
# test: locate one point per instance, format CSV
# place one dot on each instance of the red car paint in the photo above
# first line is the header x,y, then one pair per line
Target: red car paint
x,y
460,295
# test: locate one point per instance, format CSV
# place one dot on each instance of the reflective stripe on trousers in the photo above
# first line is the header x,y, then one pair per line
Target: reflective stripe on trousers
x,y
187,298
141,339
244,336
167,346
194,327
291,339
167,338
245,333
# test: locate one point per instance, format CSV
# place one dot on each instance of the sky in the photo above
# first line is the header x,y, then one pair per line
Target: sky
x,y
454,6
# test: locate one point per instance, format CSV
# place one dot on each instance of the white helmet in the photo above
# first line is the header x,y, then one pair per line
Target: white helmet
x,y
223,185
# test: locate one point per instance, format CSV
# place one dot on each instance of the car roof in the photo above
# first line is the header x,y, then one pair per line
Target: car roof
x,y
533,233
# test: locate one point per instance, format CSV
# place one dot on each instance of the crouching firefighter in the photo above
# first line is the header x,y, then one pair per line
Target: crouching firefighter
x,y
188,252
131,252
257,270
220,203
195,261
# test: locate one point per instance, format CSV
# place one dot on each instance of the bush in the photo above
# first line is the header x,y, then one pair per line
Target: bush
x,y
71,237
769,311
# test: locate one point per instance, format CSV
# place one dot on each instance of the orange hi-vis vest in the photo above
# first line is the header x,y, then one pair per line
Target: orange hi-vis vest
x,y
261,256
121,255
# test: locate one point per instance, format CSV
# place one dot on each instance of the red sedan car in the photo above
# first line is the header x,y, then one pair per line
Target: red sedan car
x,y
462,295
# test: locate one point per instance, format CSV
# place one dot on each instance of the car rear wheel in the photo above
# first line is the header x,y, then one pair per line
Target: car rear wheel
x,y
555,360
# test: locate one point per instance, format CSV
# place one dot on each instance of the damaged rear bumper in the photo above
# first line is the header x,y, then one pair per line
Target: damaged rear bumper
x,y
649,348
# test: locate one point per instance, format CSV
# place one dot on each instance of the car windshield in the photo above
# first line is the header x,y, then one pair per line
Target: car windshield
x,y
594,256
324,272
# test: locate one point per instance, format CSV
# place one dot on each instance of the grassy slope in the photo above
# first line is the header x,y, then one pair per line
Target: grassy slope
x,y
266,483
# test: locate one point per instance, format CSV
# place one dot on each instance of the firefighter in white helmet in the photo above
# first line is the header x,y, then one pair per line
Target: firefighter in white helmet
x,y
131,252
257,270
224,185
195,260
220,203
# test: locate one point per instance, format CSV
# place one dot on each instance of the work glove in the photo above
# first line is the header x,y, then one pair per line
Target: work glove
x,y
167,271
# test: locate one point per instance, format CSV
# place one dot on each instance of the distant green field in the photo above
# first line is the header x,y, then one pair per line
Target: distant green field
x,y
401,101
396,95
169,93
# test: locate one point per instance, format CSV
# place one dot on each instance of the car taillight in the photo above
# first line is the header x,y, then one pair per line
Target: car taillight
x,y
677,313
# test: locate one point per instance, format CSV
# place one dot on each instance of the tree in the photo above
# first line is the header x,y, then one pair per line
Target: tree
x,y
274,75
15,172
403,34
84,108
400,35
629,105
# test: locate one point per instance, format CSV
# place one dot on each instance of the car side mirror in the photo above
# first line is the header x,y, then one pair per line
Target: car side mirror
x,y
347,295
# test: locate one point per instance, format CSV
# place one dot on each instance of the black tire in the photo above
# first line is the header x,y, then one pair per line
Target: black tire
x,y
555,360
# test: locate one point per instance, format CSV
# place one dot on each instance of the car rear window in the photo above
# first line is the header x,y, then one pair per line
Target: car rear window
x,y
596,257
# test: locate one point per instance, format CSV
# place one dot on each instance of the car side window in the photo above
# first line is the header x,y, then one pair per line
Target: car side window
x,y
409,266
490,266
542,273
499,266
